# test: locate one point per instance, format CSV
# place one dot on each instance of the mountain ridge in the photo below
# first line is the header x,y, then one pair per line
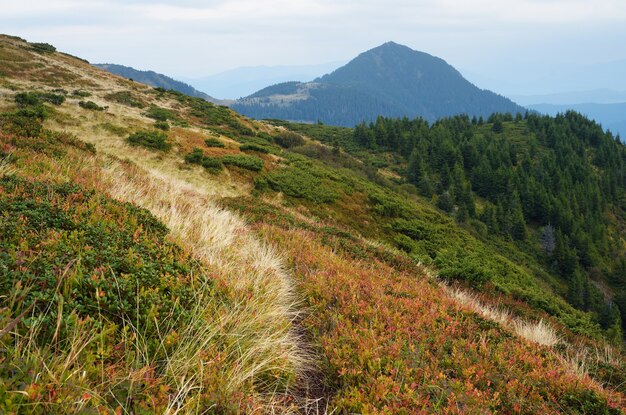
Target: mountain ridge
x,y
155,79
388,80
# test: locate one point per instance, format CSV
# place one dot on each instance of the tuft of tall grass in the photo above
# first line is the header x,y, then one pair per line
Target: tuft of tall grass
x,y
262,348
537,332
6,167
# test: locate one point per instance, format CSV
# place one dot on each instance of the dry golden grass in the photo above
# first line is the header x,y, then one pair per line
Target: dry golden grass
x,y
538,332
6,167
579,359
582,359
264,305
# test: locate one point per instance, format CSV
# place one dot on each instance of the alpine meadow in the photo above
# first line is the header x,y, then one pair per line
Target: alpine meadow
x,y
388,238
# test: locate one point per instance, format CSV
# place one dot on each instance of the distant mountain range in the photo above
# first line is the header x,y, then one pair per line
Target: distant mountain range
x,y
241,82
154,79
596,96
557,78
390,80
611,116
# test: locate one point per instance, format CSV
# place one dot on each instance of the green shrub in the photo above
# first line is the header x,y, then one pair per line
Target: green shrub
x,y
302,185
214,142
114,129
150,139
24,99
115,248
90,105
288,139
162,125
43,47
80,93
243,161
463,266
55,99
404,243
254,147
212,164
195,157
387,205
25,122
261,135
160,114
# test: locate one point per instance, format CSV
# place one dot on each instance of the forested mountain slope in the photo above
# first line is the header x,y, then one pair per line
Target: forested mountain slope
x,y
161,254
554,187
390,80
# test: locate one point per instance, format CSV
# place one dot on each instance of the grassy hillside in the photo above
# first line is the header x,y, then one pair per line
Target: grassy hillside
x,y
161,254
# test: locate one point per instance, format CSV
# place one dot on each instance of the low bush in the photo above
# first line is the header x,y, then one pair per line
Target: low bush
x,y
52,98
243,161
24,122
27,120
389,206
150,139
43,47
94,268
90,105
212,164
288,139
24,99
162,125
195,157
80,93
300,184
214,142
254,147
160,114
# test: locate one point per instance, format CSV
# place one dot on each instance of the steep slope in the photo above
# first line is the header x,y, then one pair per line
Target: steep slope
x,y
154,79
106,280
390,80
305,307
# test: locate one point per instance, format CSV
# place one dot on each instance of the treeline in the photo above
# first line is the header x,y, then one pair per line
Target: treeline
x,y
330,104
557,185
347,106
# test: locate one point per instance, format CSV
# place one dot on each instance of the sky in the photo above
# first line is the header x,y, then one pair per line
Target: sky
x,y
505,44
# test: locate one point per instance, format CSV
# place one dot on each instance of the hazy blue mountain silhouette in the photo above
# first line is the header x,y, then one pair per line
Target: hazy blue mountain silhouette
x,y
389,80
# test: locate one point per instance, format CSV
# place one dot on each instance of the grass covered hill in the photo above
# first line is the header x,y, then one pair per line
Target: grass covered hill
x,y
161,254
390,80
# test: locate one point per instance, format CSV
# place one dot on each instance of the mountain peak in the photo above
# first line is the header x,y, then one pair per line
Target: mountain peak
x,y
393,47
389,80
392,44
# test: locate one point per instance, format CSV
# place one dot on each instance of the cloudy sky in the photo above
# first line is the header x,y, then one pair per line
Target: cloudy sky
x,y
488,40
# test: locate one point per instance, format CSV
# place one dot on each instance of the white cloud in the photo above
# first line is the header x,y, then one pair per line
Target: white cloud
x,y
196,37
